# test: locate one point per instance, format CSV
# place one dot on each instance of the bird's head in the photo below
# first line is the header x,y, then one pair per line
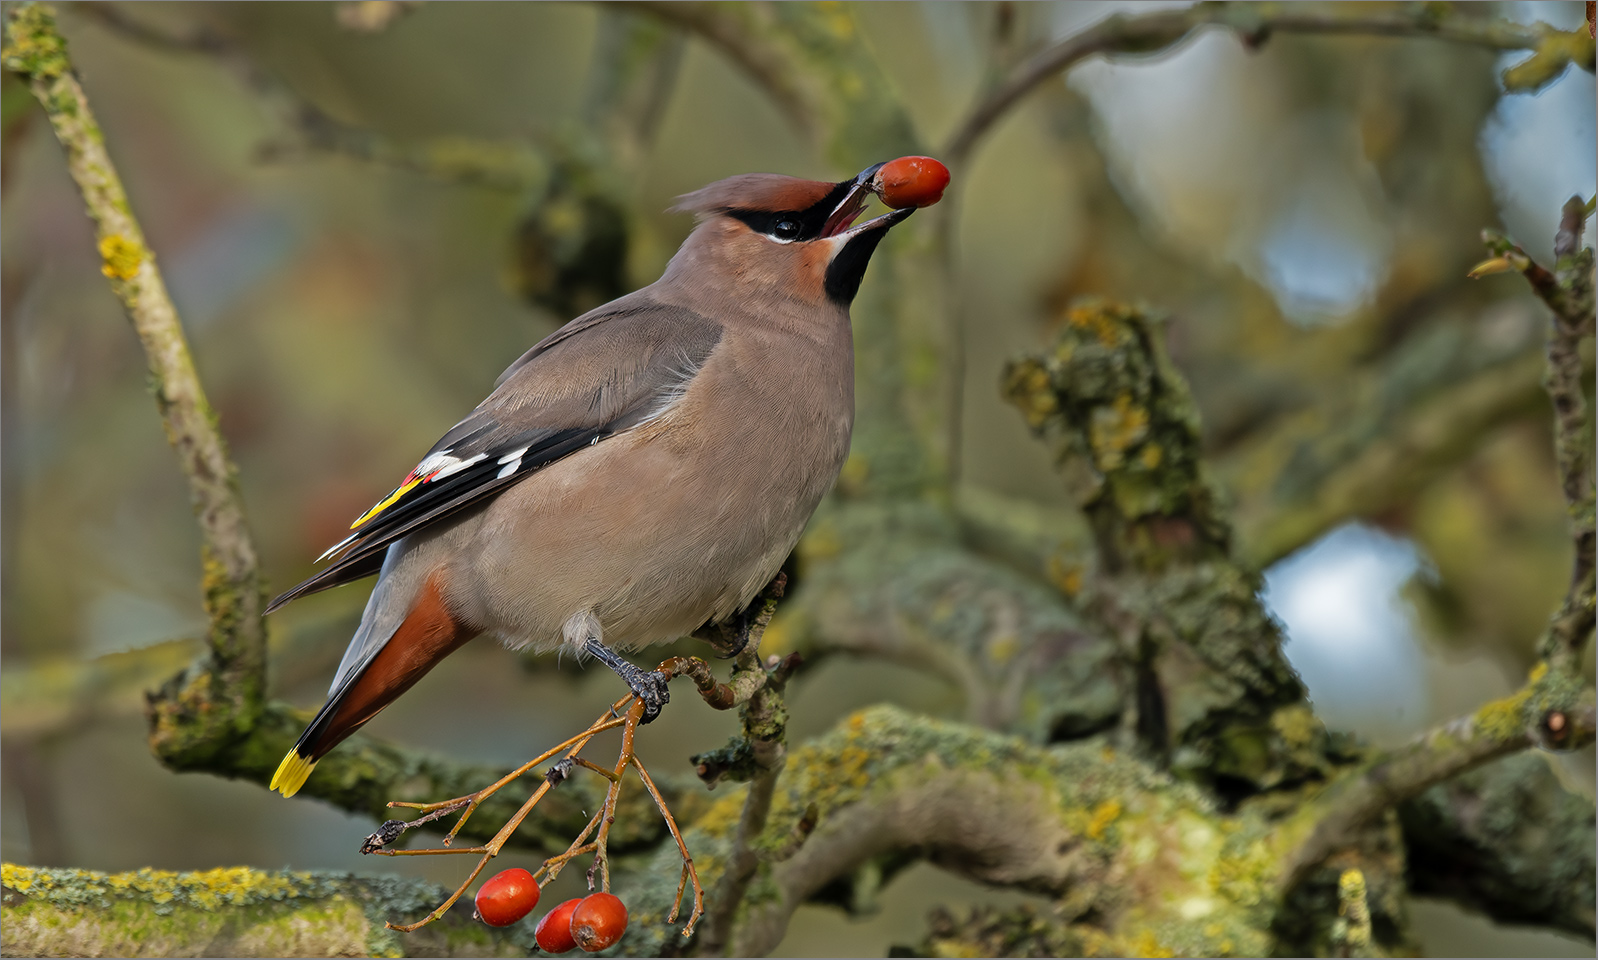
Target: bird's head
x,y
797,238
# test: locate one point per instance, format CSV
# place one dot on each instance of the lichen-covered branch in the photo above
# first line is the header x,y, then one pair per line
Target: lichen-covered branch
x,y
1507,840
1210,692
222,697
1548,709
1145,33
237,912
1083,824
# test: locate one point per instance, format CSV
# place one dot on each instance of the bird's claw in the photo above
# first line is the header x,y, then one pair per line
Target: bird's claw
x,y
650,689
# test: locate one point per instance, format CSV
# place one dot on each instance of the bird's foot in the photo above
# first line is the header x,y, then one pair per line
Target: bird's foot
x,y
649,686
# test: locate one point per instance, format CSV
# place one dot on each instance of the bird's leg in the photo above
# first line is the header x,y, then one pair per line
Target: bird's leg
x,y
649,686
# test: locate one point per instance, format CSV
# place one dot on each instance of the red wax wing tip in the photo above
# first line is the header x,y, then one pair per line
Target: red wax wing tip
x,y
507,897
911,182
599,921
554,932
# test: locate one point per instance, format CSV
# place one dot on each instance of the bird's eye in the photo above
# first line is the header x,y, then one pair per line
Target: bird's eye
x,y
786,230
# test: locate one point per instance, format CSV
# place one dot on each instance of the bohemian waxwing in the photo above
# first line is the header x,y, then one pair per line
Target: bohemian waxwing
x,y
641,472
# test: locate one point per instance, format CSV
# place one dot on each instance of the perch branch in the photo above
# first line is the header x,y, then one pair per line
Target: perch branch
x,y
239,912
1144,33
35,50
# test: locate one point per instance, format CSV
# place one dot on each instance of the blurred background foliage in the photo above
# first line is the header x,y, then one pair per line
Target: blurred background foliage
x,y
363,222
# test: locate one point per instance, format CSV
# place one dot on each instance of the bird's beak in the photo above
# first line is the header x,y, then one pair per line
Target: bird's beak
x,y
842,218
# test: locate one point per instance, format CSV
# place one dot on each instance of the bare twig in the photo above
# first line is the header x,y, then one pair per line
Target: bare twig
x,y
1145,33
35,50
727,28
1568,292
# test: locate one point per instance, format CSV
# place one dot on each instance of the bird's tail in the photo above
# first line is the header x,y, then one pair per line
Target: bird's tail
x,y
428,634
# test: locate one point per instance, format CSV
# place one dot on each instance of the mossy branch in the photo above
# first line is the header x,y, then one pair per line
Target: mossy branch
x,y
1209,690
234,677
237,912
1507,840
1147,33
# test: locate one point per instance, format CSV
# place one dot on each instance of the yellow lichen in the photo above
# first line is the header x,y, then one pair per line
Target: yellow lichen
x,y
1503,718
1116,429
1065,574
1297,725
1103,816
17,878
1146,944
121,257
1151,456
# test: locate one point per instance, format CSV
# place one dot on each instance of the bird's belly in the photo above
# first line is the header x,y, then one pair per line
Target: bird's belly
x,y
656,531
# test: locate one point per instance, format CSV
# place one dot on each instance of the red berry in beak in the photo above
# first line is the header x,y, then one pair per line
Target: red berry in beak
x,y
911,182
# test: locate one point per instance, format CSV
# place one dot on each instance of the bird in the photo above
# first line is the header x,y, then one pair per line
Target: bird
x,y
641,472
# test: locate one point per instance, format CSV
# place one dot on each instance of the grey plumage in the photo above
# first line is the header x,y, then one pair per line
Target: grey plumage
x,y
640,472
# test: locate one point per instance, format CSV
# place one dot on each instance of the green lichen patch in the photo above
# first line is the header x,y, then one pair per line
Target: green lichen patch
x,y
34,47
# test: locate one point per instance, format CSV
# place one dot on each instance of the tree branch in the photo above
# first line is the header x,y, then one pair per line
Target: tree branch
x,y
236,912
510,165
1329,464
231,686
730,29
1556,707
1506,840
1146,33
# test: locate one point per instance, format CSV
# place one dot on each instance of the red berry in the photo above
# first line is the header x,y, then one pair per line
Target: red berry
x,y
599,921
507,897
911,182
554,932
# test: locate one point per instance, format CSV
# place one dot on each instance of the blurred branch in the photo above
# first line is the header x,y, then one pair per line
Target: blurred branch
x,y
510,165
906,591
1556,707
212,717
1146,33
733,29
1360,453
1506,840
234,912
227,690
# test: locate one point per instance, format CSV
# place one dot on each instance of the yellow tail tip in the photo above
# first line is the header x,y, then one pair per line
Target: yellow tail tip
x,y
291,774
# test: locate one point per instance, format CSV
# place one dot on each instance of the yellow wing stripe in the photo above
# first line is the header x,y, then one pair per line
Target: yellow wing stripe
x,y
386,502
291,774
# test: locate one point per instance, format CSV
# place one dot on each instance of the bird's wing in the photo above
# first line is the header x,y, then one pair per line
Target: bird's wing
x,y
601,374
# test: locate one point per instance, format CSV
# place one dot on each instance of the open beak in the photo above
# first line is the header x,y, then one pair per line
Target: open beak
x,y
841,220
